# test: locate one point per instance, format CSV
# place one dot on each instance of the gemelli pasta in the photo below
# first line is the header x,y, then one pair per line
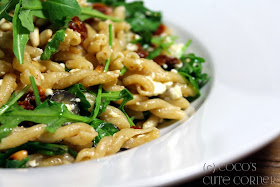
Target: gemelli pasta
x,y
88,83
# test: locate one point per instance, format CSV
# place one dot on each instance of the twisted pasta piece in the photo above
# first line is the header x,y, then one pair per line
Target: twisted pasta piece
x,y
7,88
159,108
115,116
5,67
75,133
71,38
125,138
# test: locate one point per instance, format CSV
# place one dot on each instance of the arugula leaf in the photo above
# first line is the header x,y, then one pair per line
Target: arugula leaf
x,y
53,45
6,8
89,12
49,112
107,2
16,163
35,90
26,18
60,12
161,43
123,70
32,4
192,71
142,20
77,90
103,129
20,35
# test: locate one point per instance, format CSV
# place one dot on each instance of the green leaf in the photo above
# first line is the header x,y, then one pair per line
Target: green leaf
x,y
89,12
123,70
107,2
6,7
103,129
35,90
53,46
32,4
16,163
60,12
142,20
20,36
26,19
78,90
192,65
49,112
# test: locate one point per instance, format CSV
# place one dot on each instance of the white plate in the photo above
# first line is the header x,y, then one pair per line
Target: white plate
x,y
240,39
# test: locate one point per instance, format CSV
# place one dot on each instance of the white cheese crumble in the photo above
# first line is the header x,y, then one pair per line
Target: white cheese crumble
x,y
159,87
176,50
70,107
131,47
179,65
62,65
32,163
48,92
165,66
175,92
174,71
137,103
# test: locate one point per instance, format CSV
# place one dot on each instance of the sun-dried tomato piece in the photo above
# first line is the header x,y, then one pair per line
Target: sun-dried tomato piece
x,y
160,30
27,101
169,61
142,52
99,68
102,8
135,127
77,25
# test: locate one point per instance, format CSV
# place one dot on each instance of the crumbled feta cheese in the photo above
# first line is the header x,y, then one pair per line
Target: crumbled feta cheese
x,y
176,50
48,92
174,71
62,65
78,100
137,36
131,47
1,80
159,87
179,65
70,107
137,103
32,163
165,66
175,92
168,84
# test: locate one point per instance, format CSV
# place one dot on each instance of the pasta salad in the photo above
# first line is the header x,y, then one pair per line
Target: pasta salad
x,y
81,80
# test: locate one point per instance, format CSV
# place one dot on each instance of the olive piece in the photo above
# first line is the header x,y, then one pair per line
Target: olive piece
x,y
67,98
